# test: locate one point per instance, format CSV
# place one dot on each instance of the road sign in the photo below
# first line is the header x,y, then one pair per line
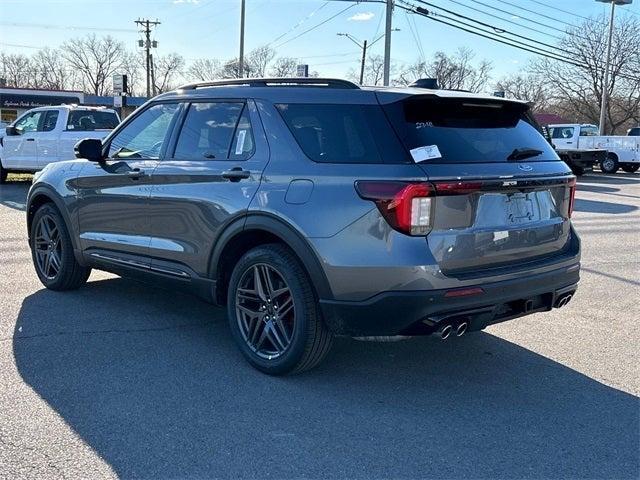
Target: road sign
x,y
302,71
120,84
117,101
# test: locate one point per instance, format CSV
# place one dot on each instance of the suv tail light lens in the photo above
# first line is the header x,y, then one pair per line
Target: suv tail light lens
x,y
572,194
407,207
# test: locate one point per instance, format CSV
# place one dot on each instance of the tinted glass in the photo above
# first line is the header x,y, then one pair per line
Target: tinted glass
x,y
343,133
208,130
28,123
589,131
454,130
144,135
88,120
50,120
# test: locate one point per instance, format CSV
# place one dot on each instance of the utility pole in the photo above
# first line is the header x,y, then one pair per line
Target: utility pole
x,y
364,58
387,43
241,57
364,45
605,81
147,25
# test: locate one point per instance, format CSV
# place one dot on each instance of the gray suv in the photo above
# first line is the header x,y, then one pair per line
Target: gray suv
x,y
314,207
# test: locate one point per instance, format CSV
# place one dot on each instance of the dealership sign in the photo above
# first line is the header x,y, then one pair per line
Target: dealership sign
x,y
13,100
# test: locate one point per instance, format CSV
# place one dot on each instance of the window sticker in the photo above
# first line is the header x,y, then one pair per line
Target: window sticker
x,y
428,152
242,134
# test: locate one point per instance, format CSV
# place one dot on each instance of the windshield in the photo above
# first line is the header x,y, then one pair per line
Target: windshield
x,y
459,130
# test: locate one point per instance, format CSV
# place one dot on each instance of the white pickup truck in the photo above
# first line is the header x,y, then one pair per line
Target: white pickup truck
x,y
48,134
622,151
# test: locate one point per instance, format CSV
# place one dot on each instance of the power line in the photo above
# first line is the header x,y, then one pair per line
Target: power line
x,y
497,30
316,26
573,14
488,35
492,15
66,27
300,22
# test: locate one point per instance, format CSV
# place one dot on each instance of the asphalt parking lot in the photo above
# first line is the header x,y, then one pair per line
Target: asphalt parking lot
x,y
124,379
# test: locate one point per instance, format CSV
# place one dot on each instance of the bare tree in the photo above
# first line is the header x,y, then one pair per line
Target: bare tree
x,y
455,71
96,60
373,71
166,70
50,70
579,89
527,87
205,69
17,70
284,67
259,59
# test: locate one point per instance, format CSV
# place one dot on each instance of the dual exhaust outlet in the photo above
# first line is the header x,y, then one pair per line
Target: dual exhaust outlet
x,y
449,329
563,300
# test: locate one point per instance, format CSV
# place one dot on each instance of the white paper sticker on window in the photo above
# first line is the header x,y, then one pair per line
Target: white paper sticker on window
x,y
242,134
427,152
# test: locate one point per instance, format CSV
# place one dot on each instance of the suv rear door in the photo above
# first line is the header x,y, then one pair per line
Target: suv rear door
x,y
211,172
502,196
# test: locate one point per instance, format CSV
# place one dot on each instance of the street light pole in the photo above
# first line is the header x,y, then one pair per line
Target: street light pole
x,y
605,80
387,44
364,57
241,57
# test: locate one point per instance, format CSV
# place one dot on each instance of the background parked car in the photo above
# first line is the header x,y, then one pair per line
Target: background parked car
x,y
48,134
634,132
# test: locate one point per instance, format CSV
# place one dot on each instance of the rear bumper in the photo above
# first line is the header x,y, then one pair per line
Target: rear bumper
x,y
424,312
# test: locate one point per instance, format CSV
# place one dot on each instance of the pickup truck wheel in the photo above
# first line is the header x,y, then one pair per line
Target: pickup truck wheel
x,y
3,173
610,164
52,251
273,313
630,168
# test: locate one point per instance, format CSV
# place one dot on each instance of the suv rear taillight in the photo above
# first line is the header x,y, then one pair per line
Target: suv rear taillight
x,y
572,194
407,207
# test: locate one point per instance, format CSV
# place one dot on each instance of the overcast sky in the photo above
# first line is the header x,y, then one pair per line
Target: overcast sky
x,y
210,28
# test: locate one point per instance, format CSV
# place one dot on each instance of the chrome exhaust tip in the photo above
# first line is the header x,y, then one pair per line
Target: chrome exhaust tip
x,y
444,332
462,329
562,301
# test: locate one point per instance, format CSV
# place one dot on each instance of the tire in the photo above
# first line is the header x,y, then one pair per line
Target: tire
x,y
299,340
3,173
61,271
610,164
578,171
630,167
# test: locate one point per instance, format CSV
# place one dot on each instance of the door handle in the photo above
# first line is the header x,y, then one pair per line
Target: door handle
x,y
135,173
236,174
30,139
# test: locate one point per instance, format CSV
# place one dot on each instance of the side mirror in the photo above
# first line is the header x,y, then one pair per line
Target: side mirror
x,y
11,131
90,149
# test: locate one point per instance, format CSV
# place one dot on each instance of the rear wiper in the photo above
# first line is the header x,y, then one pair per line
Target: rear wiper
x,y
522,153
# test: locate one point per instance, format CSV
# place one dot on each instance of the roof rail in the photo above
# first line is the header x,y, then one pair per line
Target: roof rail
x,y
277,82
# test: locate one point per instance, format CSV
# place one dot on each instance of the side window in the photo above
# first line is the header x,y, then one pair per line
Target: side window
x,y
215,131
89,120
144,135
28,123
562,133
50,120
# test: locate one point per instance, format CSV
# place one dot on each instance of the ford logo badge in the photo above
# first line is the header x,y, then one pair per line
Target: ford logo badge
x,y
525,168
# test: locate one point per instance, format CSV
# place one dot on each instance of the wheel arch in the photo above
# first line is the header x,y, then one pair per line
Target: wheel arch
x,y
41,195
258,229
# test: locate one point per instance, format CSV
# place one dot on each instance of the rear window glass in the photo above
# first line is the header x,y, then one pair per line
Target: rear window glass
x,y
343,133
454,130
88,120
